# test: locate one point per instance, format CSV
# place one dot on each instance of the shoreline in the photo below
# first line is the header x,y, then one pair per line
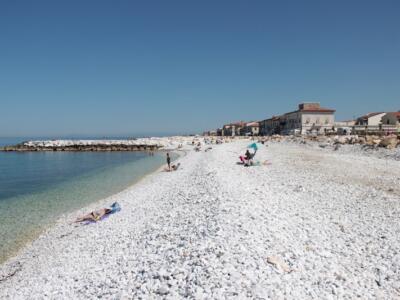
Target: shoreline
x,y
27,241
11,265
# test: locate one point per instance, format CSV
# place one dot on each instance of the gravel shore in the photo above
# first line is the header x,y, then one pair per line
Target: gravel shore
x,y
312,224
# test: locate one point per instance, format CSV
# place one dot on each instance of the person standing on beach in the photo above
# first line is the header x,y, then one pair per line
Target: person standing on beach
x,y
169,161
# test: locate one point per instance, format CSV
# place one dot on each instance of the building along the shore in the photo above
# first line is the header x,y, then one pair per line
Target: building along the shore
x,y
270,126
344,127
370,119
226,130
369,123
391,122
309,117
210,133
232,129
376,123
347,123
391,118
250,129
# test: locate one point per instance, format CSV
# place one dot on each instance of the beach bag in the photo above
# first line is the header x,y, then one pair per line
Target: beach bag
x,y
115,207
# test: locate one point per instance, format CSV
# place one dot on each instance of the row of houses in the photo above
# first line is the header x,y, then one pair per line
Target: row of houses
x,y
236,129
388,122
310,118
379,118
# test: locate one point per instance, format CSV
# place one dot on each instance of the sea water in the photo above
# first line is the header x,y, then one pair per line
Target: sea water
x,y
37,187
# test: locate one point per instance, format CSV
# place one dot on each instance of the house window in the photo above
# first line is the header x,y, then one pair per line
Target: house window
x,y
307,120
326,121
317,121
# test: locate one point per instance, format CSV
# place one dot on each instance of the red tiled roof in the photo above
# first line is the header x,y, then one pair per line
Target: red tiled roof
x,y
396,114
321,110
327,110
253,124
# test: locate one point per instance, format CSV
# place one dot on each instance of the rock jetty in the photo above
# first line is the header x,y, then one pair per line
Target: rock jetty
x,y
87,145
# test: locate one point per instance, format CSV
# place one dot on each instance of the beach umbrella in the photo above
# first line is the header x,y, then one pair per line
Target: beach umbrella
x,y
253,146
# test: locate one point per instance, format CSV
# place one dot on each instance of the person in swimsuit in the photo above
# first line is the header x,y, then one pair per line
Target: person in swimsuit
x,y
94,215
99,214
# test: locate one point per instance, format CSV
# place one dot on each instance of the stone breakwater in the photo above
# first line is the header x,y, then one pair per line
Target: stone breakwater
x,y
88,145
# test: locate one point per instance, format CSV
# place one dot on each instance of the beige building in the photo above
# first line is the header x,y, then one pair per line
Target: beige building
x,y
348,123
232,129
310,117
344,127
251,128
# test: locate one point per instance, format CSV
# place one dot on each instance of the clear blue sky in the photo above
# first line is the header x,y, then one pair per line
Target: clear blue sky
x,y
138,67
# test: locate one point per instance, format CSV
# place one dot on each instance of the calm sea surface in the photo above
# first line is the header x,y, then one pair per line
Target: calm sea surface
x,y
37,187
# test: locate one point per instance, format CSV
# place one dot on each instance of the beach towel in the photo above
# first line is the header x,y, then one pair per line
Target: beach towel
x,y
115,207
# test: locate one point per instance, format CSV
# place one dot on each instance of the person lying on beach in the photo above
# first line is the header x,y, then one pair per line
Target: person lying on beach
x,y
94,215
99,214
173,168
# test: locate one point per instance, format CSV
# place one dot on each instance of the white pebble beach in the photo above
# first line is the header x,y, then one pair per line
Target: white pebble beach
x,y
311,224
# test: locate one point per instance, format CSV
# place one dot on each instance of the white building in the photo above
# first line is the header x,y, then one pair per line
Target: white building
x,y
347,123
370,119
251,129
376,123
310,117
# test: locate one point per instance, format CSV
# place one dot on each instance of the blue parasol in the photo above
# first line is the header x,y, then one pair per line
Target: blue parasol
x,y
254,146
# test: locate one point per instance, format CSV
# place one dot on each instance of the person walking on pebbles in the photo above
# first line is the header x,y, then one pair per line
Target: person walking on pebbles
x,y
169,161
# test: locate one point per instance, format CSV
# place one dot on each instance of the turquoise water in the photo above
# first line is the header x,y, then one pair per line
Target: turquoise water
x,y
36,188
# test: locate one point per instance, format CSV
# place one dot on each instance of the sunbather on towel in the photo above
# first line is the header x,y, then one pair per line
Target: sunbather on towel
x,y
173,168
99,214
